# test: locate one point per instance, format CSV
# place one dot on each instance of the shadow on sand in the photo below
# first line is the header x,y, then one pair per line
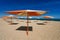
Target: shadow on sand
x,y
24,28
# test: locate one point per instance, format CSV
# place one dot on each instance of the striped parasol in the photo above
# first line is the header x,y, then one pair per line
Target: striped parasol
x,y
27,13
48,17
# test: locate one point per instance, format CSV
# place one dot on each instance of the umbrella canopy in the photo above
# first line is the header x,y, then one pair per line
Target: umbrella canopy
x,y
48,17
27,13
5,17
10,15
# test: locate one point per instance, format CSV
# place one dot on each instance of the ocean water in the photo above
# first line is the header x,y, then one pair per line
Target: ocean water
x,y
41,19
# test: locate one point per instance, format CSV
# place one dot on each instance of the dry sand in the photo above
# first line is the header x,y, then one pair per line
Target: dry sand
x,y
50,31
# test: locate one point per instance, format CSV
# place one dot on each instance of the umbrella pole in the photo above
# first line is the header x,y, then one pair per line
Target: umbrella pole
x,y
11,20
27,25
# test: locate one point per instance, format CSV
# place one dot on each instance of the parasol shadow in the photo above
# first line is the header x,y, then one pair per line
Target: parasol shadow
x,y
23,28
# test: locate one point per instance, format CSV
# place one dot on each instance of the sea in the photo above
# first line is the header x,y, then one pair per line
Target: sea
x,y
40,19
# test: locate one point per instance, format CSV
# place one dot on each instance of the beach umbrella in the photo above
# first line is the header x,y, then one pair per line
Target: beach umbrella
x,y
9,17
48,17
5,18
30,17
27,13
21,17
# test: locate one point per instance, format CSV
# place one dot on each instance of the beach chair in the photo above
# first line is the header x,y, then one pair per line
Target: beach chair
x,y
41,23
21,21
35,20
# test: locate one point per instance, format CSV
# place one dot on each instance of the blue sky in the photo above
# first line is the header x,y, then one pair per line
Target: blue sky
x,y
51,6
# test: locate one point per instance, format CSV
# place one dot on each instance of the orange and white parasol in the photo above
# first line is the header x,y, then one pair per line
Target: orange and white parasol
x,y
27,13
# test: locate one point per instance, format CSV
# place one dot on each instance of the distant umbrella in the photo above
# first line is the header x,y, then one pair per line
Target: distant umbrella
x,y
30,17
48,17
5,17
21,17
11,17
8,17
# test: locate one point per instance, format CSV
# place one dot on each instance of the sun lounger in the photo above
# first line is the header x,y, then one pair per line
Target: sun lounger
x,y
35,20
21,21
12,23
42,23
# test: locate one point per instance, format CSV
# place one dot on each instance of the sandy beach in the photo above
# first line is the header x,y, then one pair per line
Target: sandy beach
x,y
50,31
